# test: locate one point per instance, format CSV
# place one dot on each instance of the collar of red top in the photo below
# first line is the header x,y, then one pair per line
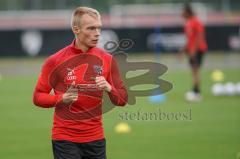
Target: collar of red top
x,y
193,17
77,50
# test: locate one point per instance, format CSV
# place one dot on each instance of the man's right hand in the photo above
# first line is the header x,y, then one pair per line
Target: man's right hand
x,y
181,53
71,95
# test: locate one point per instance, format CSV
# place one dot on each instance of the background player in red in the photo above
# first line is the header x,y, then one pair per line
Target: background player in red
x,y
195,48
79,89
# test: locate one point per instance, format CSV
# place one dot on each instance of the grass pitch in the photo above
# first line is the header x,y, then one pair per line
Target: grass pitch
x,y
212,132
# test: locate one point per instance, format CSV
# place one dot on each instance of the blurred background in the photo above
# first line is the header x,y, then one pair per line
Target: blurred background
x,y
31,30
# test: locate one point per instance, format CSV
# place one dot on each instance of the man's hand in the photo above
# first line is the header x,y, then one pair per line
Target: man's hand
x,y
102,83
180,54
192,53
71,95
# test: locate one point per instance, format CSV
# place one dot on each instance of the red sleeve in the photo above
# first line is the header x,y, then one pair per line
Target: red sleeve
x,y
118,94
198,27
41,95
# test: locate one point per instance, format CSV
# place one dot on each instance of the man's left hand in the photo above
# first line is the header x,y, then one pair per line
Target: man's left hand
x,y
103,84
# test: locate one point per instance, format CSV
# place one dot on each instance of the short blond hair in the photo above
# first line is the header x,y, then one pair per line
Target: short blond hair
x,y
80,11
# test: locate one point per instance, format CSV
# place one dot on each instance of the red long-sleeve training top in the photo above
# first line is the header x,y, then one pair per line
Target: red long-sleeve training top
x,y
192,29
80,121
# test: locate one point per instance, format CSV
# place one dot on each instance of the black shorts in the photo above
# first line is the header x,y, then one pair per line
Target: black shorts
x,y
63,149
197,59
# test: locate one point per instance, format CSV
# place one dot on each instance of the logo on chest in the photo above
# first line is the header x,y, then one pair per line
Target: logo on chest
x,y
98,69
83,74
71,75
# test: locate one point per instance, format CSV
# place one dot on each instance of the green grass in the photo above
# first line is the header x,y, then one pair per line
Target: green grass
x,y
212,133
